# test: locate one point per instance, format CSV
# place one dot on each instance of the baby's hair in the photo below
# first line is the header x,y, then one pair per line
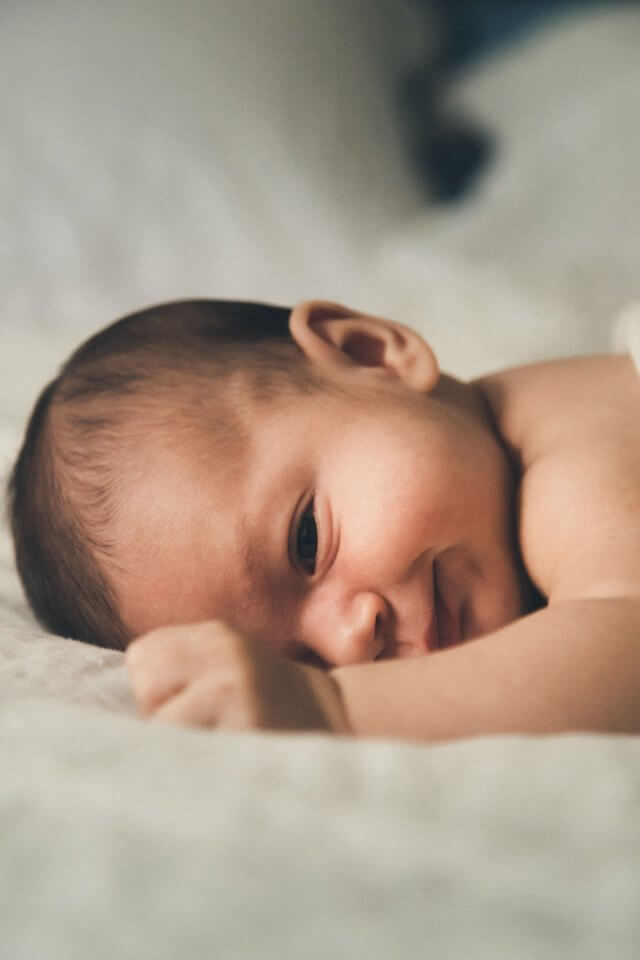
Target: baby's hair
x,y
150,367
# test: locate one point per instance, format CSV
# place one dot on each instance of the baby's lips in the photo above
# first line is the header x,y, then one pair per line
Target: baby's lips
x,y
432,638
447,628
432,635
448,625
389,651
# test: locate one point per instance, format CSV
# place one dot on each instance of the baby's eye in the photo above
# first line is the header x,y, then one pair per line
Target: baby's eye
x,y
307,540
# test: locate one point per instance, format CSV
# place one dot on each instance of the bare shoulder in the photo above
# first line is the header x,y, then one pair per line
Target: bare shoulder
x,y
573,426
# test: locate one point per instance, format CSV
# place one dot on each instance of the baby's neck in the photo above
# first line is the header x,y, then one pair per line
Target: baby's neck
x,y
467,397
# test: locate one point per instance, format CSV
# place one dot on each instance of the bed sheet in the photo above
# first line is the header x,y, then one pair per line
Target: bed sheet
x,y
124,840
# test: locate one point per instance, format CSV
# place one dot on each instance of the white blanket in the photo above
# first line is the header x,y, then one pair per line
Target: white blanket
x,y
150,156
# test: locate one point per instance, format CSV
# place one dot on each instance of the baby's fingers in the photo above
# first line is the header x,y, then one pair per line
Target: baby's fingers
x,y
159,668
203,704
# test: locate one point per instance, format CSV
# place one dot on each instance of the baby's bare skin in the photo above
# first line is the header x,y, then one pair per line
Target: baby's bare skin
x,y
570,428
576,663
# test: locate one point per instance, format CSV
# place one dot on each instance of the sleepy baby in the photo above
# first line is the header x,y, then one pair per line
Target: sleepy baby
x,y
290,519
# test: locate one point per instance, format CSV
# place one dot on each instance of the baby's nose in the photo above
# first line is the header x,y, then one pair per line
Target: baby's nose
x,y
356,635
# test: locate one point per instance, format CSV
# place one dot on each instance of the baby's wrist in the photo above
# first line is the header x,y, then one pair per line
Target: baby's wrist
x,y
328,695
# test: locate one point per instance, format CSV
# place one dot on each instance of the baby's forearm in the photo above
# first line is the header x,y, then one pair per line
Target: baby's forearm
x,y
574,665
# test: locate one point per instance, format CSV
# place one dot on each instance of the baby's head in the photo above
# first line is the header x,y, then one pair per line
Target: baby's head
x,y
305,475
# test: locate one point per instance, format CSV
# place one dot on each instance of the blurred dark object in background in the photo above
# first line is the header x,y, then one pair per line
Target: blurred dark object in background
x,y
449,152
473,28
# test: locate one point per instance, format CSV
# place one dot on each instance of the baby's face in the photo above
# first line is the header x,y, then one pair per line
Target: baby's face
x,y
345,531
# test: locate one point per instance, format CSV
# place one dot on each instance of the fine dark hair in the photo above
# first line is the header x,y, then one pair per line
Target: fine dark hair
x,y
61,490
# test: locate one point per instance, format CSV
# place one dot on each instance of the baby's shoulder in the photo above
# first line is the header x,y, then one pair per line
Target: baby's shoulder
x,y
546,405
572,426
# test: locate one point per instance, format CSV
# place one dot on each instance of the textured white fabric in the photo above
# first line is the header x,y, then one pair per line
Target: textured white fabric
x,y
129,179
121,839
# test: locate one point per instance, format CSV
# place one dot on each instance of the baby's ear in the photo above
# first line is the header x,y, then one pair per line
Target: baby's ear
x,y
335,336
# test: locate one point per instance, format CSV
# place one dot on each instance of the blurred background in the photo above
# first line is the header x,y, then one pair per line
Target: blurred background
x,y
469,168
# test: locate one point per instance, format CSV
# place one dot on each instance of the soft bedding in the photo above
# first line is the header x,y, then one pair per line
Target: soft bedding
x,y
120,838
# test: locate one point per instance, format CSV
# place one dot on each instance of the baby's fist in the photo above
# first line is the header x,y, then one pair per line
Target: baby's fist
x,y
210,675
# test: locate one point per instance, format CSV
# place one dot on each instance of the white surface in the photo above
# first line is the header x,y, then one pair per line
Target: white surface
x,y
127,183
124,840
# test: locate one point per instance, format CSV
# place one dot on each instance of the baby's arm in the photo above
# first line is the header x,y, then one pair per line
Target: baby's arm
x,y
572,666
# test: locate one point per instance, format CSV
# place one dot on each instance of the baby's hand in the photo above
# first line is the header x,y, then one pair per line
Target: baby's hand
x,y
209,675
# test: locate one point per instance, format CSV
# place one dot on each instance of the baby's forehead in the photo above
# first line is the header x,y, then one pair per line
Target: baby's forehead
x,y
191,427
